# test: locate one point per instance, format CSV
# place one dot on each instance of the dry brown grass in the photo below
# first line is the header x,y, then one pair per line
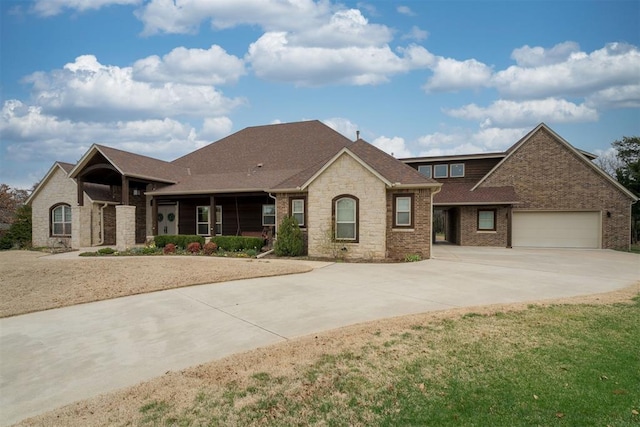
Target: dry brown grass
x,y
284,360
31,281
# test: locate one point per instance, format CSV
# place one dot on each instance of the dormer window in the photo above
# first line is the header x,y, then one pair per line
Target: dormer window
x,y
425,170
456,170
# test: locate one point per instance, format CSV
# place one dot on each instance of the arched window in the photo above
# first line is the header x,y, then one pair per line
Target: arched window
x,y
345,212
61,220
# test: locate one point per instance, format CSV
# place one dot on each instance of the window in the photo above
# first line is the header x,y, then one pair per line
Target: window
x,y
268,215
202,220
440,171
345,210
403,210
297,211
425,170
487,220
456,170
61,220
218,220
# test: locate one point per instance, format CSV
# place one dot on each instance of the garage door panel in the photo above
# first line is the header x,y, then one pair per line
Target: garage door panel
x,y
556,229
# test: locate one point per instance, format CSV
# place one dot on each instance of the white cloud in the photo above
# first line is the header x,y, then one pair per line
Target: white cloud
x,y
527,56
452,75
490,139
272,58
581,74
55,7
405,10
88,90
394,146
185,17
416,34
213,66
344,126
627,96
504,113
214,128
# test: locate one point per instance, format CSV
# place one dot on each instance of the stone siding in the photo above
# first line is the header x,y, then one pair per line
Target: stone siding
x,y
125,227
549,176
58,189
414,241
347,176
282,210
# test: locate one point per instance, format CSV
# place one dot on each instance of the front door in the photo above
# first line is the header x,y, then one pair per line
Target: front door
x,y
167,219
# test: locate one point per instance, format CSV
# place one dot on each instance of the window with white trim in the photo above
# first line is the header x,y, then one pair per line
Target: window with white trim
x,y
456,170
346,218
297,211
218,220
425,170
403,211
202,221
487,220
440,171
268,215
61,220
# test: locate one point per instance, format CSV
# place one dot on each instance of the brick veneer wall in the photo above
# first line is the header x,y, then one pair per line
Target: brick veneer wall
x,y
402,242
347,176
59,189
549,176
470,236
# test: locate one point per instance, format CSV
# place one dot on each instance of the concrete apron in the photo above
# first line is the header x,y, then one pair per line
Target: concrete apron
x,y
52,358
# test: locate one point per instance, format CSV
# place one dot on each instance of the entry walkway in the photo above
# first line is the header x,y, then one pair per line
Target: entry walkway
x,y
52,358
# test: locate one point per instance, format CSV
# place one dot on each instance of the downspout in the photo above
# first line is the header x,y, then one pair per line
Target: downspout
x,y
101,241
431,235
275,226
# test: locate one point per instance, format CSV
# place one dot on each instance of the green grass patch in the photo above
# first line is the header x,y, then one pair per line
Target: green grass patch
x,y
565,365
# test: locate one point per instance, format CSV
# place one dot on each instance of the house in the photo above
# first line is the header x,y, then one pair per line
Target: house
x,y
541,192
350,199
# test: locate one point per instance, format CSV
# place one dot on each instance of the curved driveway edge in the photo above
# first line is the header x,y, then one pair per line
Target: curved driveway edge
x,y
52,358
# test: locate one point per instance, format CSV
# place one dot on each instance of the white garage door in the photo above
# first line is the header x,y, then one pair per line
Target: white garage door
x,y
556,229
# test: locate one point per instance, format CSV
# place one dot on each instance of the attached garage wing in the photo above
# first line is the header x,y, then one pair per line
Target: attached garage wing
x,y
556,229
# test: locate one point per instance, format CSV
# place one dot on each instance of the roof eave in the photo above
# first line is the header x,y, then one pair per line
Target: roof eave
x,y
474,203
205,192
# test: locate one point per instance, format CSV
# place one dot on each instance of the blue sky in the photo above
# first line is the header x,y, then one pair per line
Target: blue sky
x,y
164,77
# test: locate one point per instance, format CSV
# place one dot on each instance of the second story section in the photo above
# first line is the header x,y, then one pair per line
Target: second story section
x,y
456,168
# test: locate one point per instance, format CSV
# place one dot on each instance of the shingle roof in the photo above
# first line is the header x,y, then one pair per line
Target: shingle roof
x,y
139,166
276,147
461,194
66,166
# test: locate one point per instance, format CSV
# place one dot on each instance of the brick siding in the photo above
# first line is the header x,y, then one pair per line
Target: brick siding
x,y
402,242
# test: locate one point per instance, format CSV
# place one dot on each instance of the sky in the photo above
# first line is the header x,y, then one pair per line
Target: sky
x,y
416,78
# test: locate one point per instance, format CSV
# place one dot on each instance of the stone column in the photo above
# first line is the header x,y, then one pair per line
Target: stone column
x,y
80,227
125,227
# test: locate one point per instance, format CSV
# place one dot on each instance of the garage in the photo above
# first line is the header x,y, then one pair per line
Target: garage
x,y
556,229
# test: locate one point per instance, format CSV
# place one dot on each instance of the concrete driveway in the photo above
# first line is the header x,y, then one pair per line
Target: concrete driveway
x,y
52,358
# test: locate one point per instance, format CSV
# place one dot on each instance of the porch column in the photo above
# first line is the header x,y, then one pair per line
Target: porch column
x,y
80,191
125,227
80,227
154,216
125,190
212,215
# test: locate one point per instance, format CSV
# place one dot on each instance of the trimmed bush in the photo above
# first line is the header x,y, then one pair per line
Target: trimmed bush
x,y
106,251
238,243
169,248
209,248
179,240
194,248
290,241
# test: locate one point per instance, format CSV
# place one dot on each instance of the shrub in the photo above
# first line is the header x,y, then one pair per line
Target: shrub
x,y
106,251
169,248
179,240
194,248
19,235
290,241
412,258
209,248
88,254
238,243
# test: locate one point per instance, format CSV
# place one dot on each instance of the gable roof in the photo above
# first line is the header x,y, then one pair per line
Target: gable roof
x,y
388,169
581,155
64,167
132,165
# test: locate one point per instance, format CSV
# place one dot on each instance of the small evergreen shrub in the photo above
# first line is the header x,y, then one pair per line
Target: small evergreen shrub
x,y
290,241
88,254
238,243
106,251
179,240
169,248
194,248
210,248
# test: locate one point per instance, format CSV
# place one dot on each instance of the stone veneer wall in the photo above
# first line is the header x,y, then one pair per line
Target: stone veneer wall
x,y
347,176
59,189
402,242
282,210
548,176
125,227
469,234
